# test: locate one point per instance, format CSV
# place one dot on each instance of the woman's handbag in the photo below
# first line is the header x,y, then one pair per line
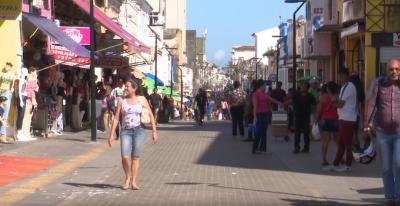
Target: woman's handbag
x,y
145,118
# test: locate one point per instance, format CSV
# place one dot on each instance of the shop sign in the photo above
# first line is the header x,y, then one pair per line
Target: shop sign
x,y
112,62
353,29
10,9
396,39
317,15
80,35
62,55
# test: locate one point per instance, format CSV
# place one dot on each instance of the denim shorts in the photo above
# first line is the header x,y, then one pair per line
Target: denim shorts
x,y
132,141
330,125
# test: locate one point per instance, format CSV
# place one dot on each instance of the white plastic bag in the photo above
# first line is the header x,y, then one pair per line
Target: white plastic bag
x,y
315,131
220,116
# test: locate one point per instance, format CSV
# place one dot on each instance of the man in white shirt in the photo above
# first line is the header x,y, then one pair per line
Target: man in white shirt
x,y
347,110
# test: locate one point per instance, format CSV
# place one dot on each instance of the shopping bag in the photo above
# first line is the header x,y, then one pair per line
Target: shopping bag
x,y
315,131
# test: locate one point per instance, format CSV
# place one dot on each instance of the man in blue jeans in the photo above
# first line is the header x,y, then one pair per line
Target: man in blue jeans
x,y
384,98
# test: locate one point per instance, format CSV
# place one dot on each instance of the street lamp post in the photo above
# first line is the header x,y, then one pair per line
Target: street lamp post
x,y
156,38
172,68
294,60
277,56
93,126
277,61
181,79
258,62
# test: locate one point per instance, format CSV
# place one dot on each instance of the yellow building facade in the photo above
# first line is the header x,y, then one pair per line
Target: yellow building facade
x,y
370,42
10,42
10,32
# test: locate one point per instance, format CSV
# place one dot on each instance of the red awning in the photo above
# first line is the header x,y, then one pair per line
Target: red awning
x,y
104,20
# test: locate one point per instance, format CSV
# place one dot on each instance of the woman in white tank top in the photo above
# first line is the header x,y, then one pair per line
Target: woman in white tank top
x,y
132,132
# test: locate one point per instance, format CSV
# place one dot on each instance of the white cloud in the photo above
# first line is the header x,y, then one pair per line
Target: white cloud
x,y
219,55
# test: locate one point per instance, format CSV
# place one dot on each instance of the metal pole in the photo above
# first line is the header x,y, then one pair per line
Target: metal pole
x,y
256,70
294,61
181,92
92,74
277,62
155,60
172,70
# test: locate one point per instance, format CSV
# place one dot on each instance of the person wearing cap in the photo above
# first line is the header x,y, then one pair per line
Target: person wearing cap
x,y
314,88
383,101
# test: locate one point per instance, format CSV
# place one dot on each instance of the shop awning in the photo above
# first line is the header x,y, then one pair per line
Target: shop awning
x,y
104,20
51,29
152,78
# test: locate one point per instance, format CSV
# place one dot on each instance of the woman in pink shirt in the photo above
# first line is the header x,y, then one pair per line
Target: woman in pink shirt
x,y
262,110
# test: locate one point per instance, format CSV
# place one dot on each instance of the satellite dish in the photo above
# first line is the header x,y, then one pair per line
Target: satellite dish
x,y
205,32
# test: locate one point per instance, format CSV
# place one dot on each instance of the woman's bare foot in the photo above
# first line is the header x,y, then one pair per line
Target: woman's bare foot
x,y
125,186
134,186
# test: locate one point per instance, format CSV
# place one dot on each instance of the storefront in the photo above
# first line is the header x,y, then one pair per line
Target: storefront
x,y
387,48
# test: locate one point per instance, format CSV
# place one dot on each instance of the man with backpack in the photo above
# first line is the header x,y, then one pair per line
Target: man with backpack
x,y
383,113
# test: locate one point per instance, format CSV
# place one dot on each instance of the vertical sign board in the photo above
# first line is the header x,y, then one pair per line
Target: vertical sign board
x,y
396,39
10,9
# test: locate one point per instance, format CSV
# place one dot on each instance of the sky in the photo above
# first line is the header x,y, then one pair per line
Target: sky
x,y
231,22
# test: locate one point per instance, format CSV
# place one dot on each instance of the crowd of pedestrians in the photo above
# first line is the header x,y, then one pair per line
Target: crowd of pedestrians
x,y
337,110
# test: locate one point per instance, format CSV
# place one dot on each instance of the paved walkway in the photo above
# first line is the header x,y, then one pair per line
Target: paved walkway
x,y
191,165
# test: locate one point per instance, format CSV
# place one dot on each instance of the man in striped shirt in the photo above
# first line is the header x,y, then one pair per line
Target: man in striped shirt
x,y
384,102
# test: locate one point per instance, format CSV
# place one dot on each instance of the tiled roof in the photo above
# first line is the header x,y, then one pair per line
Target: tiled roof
x,y
244,48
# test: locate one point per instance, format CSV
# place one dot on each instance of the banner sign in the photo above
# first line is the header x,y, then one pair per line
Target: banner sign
x,y
64,56
80,35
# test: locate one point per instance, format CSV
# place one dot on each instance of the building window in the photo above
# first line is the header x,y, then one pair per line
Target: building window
x,y
392,15
99,3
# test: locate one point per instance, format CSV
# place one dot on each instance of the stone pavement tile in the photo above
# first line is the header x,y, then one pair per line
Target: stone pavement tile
x,y
194,165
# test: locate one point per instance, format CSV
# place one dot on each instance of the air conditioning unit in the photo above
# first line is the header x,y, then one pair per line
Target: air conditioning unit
x,y
353,10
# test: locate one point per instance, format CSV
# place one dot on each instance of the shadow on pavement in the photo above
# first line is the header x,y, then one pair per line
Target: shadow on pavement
x,y
191,126
313,200
102,186
183,183
372,191
295,202
232,152
322,200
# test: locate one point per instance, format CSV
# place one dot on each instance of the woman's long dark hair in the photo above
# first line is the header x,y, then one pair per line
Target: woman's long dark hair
x,y
355,79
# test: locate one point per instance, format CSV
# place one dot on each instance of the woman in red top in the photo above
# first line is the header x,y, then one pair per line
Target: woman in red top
x,y
327,117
